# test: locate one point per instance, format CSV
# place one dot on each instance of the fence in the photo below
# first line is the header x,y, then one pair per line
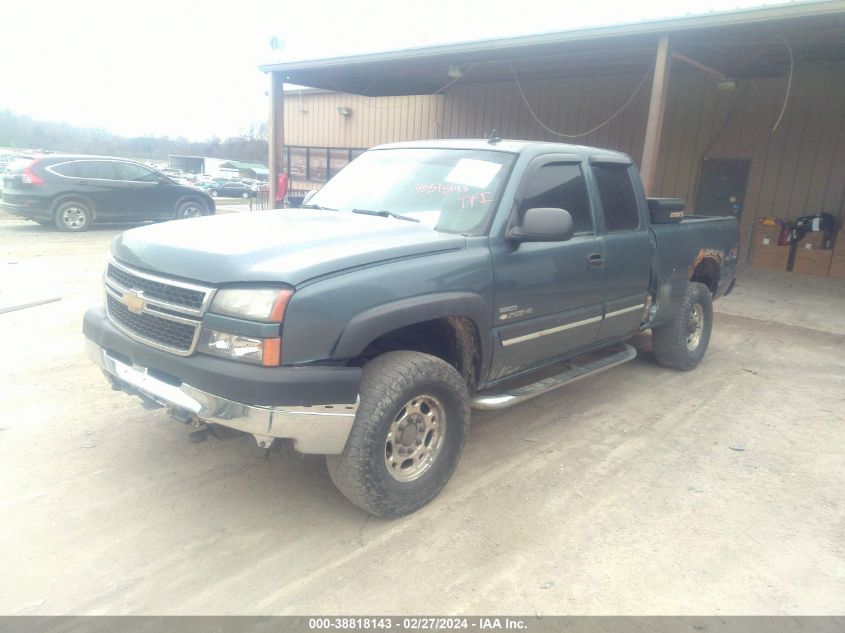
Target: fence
x,y
261,200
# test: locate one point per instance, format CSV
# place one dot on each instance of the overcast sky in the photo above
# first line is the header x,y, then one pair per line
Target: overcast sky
x,y
190,68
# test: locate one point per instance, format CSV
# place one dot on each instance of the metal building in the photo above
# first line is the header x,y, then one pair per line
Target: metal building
x,y
739,112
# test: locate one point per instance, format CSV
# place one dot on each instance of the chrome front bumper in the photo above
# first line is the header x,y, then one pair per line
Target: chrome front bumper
x,y
320,429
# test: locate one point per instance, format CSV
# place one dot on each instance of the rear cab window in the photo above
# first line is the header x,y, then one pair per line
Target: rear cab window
x,y
618,197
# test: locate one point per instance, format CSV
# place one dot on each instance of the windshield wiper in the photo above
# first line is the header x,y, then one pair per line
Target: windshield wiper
x,y
385,214
316,206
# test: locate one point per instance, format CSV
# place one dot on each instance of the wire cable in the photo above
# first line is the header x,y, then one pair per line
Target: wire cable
x,y
588,132
788,83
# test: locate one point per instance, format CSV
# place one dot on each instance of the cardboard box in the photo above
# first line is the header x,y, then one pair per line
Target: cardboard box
x,y
813,240
765,235
837,265
812,261
770,257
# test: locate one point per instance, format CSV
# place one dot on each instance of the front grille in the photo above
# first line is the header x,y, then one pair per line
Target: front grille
x,y
184,297
164,332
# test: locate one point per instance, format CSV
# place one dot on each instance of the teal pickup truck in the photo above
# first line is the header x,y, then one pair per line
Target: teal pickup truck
x,y
423,280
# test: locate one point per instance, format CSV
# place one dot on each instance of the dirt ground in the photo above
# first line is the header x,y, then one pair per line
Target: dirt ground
x,y
639,491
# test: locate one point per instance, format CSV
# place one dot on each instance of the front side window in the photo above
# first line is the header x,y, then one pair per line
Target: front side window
x,y
560,186
131,171
449,190
618,200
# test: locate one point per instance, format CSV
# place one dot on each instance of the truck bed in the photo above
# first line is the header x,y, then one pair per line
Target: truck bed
x,y
680,247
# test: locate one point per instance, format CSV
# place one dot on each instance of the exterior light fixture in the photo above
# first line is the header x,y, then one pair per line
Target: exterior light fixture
x,y
455,71
344,111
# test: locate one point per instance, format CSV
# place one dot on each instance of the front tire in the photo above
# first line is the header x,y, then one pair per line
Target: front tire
x,y
189,209
73,216
682,343
408,434
245,194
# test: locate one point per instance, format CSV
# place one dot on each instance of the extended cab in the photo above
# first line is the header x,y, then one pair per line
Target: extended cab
x,y
424,279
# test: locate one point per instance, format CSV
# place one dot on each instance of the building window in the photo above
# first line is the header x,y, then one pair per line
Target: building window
x,y
317,164
318,168
297,162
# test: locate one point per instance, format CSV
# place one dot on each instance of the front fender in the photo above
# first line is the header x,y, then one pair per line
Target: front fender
x,y
366,326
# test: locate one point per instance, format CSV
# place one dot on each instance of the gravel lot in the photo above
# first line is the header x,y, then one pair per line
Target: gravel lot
x,y
639,491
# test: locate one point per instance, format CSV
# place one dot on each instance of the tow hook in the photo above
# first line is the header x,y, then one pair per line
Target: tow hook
x,y
203,428
264,441
184,416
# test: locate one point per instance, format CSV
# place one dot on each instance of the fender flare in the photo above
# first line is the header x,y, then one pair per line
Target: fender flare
x,y
368,325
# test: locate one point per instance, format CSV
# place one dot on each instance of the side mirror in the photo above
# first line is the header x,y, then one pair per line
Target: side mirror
x,y
308,196
543,224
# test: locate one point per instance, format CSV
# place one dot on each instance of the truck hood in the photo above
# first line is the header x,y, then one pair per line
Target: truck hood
x,y
288,246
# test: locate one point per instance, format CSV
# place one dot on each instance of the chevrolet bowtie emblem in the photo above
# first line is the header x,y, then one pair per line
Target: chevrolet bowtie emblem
x,y
134,301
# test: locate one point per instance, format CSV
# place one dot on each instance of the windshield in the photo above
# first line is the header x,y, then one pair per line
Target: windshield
x,y
450,190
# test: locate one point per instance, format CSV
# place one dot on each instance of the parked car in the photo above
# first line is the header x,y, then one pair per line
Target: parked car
x,y
230,190
423,279
73,191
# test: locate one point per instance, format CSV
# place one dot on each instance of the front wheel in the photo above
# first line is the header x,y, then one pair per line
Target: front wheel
x,y
682,342
189,209
408,434
73,216
245,194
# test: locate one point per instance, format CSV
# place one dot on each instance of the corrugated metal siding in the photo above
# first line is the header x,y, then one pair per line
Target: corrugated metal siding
x,y
568,106
798,169
313,119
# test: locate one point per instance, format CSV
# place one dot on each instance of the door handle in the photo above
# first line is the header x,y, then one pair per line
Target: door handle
x,y
595,260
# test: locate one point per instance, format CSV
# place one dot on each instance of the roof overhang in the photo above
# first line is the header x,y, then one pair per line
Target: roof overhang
x,y
740,43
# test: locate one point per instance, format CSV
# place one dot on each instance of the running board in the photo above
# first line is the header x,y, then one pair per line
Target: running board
x,y
576,368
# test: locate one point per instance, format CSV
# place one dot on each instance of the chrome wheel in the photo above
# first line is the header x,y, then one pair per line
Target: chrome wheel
x,y
695,326
74,218
191,211
415,438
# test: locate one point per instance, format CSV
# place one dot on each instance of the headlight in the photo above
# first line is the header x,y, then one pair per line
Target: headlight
x,y
259,351
258,304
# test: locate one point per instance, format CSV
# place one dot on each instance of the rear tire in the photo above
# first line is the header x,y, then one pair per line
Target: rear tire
x,y
408,435
682,343
73,216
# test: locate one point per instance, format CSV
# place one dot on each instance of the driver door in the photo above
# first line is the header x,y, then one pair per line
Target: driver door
x,y
548,296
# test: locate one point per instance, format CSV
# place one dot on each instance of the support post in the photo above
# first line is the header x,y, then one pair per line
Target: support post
x,y
276,133
656,108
